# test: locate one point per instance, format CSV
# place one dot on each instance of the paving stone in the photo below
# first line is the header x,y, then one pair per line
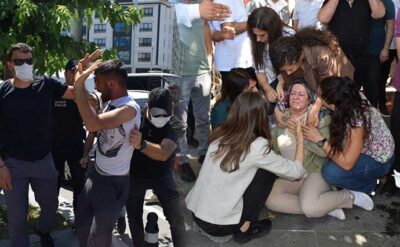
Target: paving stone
x,y
347,239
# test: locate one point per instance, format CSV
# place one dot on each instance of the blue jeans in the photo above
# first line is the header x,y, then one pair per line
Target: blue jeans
x,y
99,206
362,177
197,88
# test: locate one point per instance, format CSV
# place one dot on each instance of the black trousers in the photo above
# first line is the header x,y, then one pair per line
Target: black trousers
x,y
70,154
372,80
253,200
171,201
385,70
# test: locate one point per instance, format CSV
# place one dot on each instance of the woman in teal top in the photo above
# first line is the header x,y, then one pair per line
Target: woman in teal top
x,y
239,80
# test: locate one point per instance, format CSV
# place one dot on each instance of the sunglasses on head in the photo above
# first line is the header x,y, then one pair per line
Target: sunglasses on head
x,y
19,62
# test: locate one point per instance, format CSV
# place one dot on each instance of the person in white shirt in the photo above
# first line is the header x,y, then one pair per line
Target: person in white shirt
x,y
107,186
231,51
238,170
305,14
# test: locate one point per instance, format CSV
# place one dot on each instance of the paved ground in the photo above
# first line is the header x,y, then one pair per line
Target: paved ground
x,y
381,227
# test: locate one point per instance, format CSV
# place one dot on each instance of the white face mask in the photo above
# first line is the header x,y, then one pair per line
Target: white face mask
x,y
159,122
24,72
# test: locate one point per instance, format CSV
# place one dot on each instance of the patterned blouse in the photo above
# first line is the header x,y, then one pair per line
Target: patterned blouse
x,y
379,143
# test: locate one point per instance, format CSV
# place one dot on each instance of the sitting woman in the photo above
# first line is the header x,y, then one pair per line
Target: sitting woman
x,y
361,146
239,80
311,195
237,173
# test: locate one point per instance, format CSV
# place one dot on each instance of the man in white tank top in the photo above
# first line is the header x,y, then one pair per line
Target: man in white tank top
x,y
107,186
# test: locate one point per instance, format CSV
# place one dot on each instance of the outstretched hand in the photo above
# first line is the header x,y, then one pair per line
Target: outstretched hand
x,y
81,75
90,58
211,11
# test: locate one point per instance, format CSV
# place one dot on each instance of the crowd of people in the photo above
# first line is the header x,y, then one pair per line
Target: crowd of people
x,y
297,126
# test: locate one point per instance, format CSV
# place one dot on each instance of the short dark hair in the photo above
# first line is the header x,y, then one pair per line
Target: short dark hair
x,y
286,50
22,47
114,68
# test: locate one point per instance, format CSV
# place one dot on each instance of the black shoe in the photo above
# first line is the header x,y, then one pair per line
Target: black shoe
x,y
45,239
201,159
187,173
389,188
257,229
121,225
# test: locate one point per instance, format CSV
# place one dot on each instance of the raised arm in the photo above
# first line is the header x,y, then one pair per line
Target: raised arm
x,y
94,122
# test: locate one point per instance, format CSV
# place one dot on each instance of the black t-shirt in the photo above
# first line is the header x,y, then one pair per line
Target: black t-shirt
x,y
25,130
142,166
67,125
351,25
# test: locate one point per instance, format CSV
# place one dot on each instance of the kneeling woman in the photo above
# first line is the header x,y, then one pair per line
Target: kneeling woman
x,y
239,165
361,147
311,195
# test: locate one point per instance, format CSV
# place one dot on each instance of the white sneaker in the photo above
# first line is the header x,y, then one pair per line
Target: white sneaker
x,y
362,200
337,213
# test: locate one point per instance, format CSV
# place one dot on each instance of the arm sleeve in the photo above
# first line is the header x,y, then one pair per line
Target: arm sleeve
x,y
390,13
58,87
186,13
290,169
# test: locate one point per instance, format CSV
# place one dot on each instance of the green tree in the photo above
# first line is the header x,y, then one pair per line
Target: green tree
x,y
39,23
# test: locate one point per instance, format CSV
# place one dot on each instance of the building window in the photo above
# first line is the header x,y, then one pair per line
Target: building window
x,y
119,27
123,41
99,28
144,42
124,55
146,27
144,57
96,15
100,42
148,11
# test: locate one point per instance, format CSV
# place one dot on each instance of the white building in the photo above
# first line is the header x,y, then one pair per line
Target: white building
x,y
147,46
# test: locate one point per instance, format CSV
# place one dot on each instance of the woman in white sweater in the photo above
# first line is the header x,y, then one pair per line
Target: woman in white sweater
x,y
228,195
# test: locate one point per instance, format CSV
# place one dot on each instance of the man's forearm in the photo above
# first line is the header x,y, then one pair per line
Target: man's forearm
x,y
326,12
157,152
88,115
240,27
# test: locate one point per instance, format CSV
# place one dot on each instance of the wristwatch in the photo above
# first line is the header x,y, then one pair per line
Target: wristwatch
x,y
143,145
321,143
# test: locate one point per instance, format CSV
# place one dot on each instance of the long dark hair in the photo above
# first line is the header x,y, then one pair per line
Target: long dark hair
x,y
247,120
268,20
349,107
287,50
235,82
